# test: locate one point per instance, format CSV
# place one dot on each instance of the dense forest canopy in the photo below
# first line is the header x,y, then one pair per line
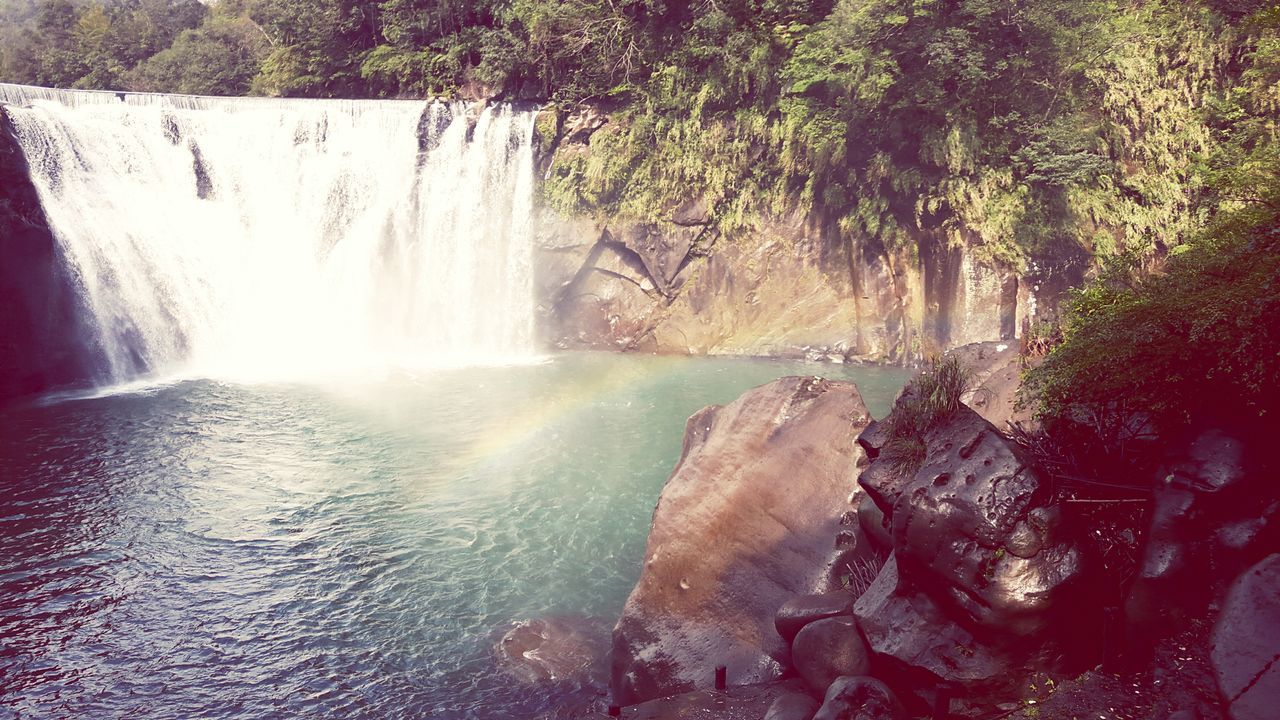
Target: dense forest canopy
x,y
1036,132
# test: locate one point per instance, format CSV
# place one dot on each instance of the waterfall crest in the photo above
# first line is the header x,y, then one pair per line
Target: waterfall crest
x,y
247,235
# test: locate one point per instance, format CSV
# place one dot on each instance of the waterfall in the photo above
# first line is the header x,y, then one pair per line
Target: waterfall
x,y
252,235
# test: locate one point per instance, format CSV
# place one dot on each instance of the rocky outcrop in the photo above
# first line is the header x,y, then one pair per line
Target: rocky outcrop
x,y
1246,644
785,288
40,344
788,286
985,575
744,523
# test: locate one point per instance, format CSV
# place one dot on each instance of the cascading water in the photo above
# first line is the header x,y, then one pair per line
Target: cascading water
x,y
253,236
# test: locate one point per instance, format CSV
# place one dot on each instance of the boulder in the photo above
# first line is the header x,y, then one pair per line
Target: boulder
x,y
1214,514
871,519
826,649
874,437
794,706
1246,643
995,374
860,698
914,640
1170,583
985,577
973,528
555,648
1214,463
800,611
744,523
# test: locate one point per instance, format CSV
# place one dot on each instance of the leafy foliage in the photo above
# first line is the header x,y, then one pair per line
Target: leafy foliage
x,y
1030,131
1155,345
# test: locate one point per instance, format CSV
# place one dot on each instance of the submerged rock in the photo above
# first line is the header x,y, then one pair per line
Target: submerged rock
x,y
556,648
745,523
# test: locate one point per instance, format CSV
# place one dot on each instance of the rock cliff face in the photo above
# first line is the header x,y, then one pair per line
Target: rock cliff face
x,y
39,315
787,288
745,522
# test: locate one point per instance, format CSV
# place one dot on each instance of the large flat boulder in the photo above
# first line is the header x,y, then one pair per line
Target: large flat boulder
x,y
745,523
1246,643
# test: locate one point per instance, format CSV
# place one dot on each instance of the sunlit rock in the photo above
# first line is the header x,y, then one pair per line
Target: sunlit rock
x,y
986,575
745,523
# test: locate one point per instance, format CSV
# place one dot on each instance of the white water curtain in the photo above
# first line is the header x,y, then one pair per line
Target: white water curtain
x,y
225,236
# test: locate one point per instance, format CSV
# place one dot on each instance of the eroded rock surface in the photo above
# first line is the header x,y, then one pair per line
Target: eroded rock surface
x,y
745,522
785,288
985,576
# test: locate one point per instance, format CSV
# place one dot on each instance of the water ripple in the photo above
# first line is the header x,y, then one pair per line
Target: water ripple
x,y
211,550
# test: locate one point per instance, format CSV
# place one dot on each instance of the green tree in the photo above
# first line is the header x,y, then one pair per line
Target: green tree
x,y
317,46
221,57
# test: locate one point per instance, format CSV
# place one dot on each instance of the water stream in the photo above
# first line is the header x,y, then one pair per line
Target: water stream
x,y
252,237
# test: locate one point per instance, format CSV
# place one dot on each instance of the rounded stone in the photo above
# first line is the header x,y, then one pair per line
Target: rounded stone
x,y
860,698
827,649
804,609
1246,643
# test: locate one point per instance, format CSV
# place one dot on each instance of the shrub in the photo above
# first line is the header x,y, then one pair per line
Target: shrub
x,y
930,398
1150,352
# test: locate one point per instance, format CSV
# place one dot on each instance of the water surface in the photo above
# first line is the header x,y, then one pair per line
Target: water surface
x,y
217,550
